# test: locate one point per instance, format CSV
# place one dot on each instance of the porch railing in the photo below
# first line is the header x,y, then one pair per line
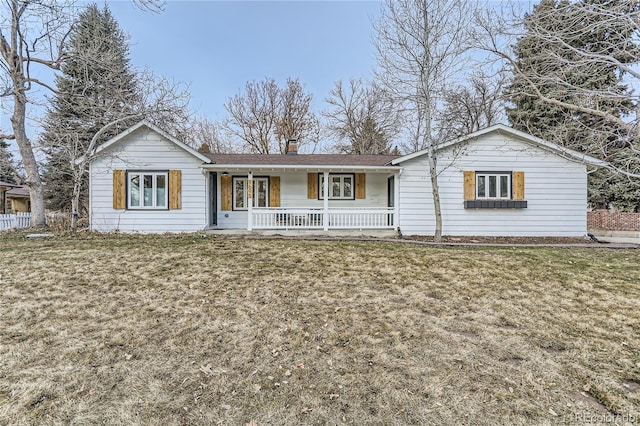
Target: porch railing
x,y
15,221
285,218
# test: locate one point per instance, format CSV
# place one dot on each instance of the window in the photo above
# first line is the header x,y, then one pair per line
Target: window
x,y
260,192
147,190
340,187
493,186
494,190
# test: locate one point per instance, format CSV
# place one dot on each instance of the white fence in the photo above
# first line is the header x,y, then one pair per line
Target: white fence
x,y
15,221
282,218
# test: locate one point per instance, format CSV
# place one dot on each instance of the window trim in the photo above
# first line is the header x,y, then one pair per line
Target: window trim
x,y
246,200
353,186
142,173
497,174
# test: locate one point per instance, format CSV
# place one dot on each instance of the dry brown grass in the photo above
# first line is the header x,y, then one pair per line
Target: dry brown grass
x,y
212,330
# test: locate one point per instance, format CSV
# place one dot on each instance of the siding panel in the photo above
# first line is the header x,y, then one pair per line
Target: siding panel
x,y
146,150
556,192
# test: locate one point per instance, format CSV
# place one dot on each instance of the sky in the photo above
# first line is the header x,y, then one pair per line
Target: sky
x,y
218,46
215,47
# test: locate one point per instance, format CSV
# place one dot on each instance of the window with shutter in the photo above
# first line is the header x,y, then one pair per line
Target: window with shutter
x,y
495,190
147,190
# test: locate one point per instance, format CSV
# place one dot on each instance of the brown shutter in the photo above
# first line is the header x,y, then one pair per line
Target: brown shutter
x,y
119,190
312,186
361,186
225,188
518,185
274,191
175,189
469,185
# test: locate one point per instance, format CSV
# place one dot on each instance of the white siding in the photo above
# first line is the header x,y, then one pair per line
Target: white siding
x,y
146,150
555,189
293,194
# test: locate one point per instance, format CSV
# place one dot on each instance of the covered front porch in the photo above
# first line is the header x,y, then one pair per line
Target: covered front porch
x,y
329,219
295,198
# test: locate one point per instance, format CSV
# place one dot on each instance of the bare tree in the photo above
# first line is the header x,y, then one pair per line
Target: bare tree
x,y
155,6
470,107
32,35
208,136
421,49
561,61
160,103
163,102
294,118
252,115
266,116
362,117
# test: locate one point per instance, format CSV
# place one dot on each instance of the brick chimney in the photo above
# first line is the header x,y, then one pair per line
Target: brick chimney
x,y
292,147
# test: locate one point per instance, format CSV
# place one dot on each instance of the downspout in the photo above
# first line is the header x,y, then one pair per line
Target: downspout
x,y
396,201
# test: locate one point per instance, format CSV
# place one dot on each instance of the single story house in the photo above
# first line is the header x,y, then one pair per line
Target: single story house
x,y
494,182
18,199
4,187
14,198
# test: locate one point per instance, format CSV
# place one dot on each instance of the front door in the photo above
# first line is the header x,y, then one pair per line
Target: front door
x,y
213,199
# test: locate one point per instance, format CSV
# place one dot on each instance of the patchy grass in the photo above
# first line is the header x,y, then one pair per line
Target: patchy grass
x,y
195,329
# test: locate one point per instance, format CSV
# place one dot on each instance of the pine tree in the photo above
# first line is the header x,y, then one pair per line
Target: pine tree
x,y
559,73
96,87
7,169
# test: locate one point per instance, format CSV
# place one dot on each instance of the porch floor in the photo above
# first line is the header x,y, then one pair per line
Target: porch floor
x,y
378,233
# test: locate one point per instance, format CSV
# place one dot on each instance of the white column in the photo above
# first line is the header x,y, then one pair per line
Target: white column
x,y
250,201
325,193
396,201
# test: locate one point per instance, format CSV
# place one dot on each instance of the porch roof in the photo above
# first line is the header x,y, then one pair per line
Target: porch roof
x,y
301,161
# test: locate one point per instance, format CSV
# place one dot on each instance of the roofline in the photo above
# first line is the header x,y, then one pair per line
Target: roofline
x,y
328,167
16,195
144,123
534,140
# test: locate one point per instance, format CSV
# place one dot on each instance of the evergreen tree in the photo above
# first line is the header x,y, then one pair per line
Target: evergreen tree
x,y
7,169
549,59
96,87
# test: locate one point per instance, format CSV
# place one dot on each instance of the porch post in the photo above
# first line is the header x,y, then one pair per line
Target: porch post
x,y
250,201
325,194
396,201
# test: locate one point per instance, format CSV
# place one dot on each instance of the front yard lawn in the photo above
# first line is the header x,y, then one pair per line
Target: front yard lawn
x,y
195,329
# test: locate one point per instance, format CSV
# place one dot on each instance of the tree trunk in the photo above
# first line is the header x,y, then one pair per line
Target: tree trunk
x,y
75,203
34,182
431,155
435,190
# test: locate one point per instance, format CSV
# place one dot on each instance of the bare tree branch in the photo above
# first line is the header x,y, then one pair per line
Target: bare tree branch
x,y
421,47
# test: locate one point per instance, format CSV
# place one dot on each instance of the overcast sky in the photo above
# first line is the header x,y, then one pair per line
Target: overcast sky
x,y
218,46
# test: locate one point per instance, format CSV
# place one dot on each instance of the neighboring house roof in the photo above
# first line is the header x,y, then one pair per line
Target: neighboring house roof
x,y
522,136
121,136
4,184
301,160
19,192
